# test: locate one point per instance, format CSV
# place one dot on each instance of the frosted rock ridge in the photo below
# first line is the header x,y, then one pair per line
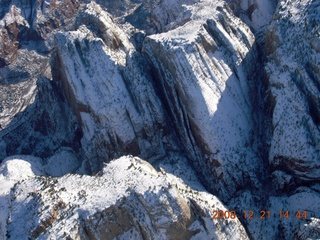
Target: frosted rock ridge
x,y
160,119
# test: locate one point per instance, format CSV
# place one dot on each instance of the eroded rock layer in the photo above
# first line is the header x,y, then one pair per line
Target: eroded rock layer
x,y
227,91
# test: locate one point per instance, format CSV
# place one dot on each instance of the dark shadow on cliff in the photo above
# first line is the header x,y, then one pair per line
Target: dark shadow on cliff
x,y
44,126
243,167
238,170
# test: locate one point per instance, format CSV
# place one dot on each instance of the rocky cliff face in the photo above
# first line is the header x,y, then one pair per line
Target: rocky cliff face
x,y
202,71
110,93
293,75
35,117
227,91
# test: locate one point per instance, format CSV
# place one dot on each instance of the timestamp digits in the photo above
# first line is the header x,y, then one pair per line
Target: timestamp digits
x,y
221,214
263,214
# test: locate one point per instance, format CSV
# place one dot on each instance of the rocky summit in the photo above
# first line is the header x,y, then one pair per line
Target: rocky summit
x,y
160,119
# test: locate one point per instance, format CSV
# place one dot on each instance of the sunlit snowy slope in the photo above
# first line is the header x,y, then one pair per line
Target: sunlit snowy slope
x,y
139,119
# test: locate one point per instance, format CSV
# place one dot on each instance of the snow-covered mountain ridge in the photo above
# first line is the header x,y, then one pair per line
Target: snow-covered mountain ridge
x,y
225,93
128,200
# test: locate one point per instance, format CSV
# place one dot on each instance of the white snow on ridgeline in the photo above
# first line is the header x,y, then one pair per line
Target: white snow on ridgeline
x,y
261,12
14,16
97,84
110,90
62,162
293,71
12,170
206,64
204,75
94,11
45,207
18,168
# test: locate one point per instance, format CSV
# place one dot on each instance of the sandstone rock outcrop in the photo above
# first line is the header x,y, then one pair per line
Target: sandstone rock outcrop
x,y
224,90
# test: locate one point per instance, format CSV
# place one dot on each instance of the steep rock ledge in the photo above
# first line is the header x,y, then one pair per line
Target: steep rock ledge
x,y
34,116
110,92
195,96
202,72
294,80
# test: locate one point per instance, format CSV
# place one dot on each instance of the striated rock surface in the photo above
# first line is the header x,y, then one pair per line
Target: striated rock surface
x,y
222,91
203,73
109,91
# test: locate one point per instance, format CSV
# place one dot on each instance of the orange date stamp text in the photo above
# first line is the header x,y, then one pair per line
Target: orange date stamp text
x,y
262,214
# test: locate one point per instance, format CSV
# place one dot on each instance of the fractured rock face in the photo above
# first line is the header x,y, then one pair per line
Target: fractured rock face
x,y
111,95
32,109
83,84
34,116
11,26
294,82
202,71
